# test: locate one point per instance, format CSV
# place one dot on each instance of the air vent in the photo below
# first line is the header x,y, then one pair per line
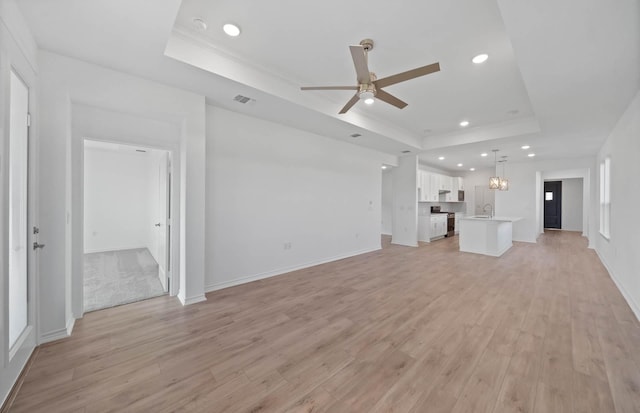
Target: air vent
x,y
355,135
406,151
242,99
140,150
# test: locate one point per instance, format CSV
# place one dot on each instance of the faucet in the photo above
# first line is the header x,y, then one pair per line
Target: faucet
x,y
484,209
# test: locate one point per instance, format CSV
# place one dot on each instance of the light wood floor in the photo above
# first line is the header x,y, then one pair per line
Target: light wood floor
x,y
429,329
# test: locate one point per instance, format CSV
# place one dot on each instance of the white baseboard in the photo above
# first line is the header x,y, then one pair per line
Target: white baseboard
x,y
114,249
70,323
268,274
628,298
54,335
192,300
59,333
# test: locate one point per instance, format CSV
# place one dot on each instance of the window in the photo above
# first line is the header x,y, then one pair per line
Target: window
x,y
18,241
548,196
605,197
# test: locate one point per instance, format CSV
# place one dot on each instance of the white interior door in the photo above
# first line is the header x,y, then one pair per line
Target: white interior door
x,y
163,223
18,213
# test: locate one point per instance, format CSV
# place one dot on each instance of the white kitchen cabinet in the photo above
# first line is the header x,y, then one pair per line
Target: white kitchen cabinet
x,y
438,225
434,187
431,184
424,180
446,183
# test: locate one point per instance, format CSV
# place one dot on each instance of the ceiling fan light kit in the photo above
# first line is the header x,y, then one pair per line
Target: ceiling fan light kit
x,y
369,86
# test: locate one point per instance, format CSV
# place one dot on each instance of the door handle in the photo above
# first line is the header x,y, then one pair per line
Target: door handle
x,y
37,246
157,225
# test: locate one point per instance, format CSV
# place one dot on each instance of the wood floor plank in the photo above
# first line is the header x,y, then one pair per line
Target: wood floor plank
x,y
429,329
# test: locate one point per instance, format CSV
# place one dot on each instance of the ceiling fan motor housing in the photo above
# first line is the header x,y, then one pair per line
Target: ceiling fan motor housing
x,y
367,44
367,91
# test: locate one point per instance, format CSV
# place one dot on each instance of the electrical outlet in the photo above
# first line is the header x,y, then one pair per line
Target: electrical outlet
x,y
287,245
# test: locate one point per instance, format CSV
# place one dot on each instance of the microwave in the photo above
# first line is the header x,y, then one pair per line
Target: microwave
x,y
460,196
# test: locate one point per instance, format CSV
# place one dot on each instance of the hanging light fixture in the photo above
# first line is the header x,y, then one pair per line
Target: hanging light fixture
x,y
494,181
504,182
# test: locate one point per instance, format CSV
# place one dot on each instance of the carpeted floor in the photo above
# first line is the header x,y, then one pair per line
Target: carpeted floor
x,y
119,277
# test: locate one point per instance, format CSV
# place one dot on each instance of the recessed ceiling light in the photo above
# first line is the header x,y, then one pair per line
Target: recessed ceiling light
x,y
481,58
526,147
231,29
484,154
459,164
472,169
199,24
531,155
464,123
384,166
441,158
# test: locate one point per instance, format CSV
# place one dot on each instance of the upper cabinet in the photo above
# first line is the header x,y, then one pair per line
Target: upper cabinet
x,y
433,187
458,183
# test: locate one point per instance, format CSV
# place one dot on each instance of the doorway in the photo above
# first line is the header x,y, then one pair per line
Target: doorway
x,y
553,204
127,224
21,241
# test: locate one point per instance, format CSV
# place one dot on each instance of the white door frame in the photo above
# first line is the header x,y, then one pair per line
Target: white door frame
x,y
13,360
77,201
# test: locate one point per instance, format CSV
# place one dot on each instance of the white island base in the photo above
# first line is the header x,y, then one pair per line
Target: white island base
x,y
488,236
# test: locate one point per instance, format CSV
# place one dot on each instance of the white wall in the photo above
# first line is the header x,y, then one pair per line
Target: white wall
x,y
82,100
405,202
279,198
620,252
572,204
523,197
387,201
118,199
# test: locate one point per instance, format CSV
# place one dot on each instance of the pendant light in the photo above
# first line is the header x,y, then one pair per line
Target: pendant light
x,y
504,182
494,181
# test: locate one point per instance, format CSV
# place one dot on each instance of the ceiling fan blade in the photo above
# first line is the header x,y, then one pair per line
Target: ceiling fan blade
x,y
390,99
350,104
360,62
409,74
329,88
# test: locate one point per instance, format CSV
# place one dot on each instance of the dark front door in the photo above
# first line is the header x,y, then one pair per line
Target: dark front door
x,y
553,204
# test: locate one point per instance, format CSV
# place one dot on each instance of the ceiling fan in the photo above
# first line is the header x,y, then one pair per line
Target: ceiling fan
x,y
369,86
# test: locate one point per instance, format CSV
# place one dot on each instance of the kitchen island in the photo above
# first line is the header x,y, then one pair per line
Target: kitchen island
x,y
486,235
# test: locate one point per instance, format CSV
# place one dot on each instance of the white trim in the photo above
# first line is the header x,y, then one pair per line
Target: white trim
x,y
93,251
280,271
54,335
70,323
17,346
634,306
192,300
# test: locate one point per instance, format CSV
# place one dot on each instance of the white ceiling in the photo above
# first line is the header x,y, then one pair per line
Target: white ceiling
x,y
568,69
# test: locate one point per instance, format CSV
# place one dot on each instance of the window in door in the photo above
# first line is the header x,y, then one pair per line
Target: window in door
x,y
605,197
18,180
